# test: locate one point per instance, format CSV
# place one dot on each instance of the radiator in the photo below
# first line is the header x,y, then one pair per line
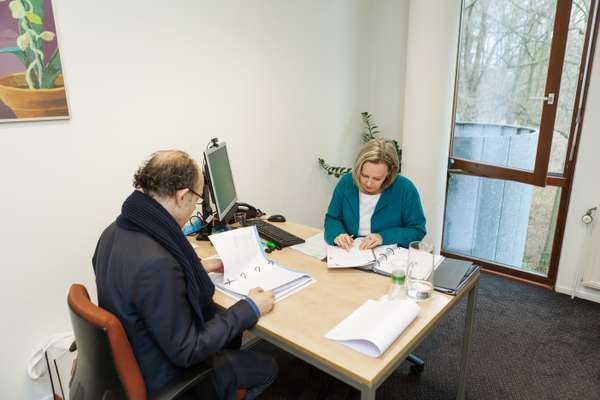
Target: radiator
x,y
591,274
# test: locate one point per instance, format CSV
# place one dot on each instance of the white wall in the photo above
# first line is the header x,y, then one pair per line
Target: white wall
x,y
431,63
281,82
387,65
578,243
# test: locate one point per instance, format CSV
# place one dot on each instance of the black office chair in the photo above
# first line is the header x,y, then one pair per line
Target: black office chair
x,y
106,368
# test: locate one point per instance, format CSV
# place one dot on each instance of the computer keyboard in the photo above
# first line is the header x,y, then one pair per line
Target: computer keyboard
x,y
275,234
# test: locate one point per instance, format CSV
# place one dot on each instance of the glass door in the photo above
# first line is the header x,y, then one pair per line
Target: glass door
x,y
517,102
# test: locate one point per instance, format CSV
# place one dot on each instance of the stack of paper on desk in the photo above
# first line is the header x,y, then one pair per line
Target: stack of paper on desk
x,y
246,266
315,246
374,326
337,257
381,259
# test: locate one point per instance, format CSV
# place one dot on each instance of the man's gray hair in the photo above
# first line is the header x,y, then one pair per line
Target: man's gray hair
x,y
166,172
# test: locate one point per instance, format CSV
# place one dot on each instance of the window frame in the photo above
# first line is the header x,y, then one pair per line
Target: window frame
x,y
539,174
564,180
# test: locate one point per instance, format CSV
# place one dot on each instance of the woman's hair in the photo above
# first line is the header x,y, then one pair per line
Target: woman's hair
x,y
166,172
378,151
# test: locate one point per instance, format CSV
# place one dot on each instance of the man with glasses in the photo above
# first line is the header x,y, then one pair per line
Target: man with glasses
x,y
149,276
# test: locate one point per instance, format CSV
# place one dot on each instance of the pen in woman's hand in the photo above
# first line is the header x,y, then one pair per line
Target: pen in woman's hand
x,y
370,241
344,241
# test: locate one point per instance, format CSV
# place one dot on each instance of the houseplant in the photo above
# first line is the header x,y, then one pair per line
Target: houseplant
x,y
370,132
38,91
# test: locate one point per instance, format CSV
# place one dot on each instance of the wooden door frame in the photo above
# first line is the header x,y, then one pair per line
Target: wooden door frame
x,y
565,182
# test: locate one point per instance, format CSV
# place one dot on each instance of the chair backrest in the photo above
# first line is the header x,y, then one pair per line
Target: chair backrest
x,y
106,366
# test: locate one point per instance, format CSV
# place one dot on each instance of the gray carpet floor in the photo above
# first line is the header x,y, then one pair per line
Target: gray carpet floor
x,y
529,343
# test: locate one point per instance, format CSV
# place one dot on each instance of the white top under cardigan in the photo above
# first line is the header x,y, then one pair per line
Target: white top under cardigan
x,y
366,207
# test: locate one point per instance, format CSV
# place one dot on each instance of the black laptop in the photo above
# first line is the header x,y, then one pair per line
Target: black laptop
x,y
451,275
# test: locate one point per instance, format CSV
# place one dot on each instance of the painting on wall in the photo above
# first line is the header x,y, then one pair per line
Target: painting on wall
x,y
31,79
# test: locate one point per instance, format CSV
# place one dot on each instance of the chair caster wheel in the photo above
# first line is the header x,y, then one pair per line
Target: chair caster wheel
x,y
417,369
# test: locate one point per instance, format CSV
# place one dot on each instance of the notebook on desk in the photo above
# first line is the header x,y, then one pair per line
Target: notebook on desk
x,y
381,260
375,325
451,275
246,267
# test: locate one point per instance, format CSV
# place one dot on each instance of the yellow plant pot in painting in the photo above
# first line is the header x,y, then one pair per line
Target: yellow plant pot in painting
x,y
33,103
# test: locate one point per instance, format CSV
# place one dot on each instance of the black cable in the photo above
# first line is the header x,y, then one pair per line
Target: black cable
x,y
59,381
50,374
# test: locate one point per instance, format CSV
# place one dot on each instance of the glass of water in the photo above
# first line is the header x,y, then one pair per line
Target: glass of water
x,y
419,273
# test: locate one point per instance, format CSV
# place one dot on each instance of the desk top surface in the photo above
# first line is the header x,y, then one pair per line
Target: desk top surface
x,y
302,319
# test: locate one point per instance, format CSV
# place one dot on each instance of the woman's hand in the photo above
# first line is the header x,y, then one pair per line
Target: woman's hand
x,y
371,241
212,265
344,241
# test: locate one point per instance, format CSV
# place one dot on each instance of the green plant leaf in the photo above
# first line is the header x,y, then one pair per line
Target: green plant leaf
x,y
38,7
52,70
17,53
335,171
10,50
17,10
370,132
34,18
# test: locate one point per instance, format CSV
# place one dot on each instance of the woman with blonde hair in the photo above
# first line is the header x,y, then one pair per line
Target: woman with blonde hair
x,y
375,202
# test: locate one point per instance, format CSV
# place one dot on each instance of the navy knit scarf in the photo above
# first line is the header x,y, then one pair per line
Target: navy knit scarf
x,y
141,213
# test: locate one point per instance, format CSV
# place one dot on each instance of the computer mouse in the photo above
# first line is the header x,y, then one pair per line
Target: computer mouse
x,y
276,218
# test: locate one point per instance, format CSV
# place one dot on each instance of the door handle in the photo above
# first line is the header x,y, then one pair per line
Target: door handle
x,y
548,99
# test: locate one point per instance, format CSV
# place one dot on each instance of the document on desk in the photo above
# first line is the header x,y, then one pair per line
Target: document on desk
x,y
338,257
375,325
382,259
315,246
246,266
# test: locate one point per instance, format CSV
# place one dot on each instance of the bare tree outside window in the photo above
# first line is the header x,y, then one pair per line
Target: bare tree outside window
x,y
502,70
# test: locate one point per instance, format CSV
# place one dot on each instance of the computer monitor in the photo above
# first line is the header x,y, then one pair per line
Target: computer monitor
x,y
221,183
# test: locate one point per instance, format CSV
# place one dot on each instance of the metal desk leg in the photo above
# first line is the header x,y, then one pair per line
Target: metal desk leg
x,y
462,378
367,393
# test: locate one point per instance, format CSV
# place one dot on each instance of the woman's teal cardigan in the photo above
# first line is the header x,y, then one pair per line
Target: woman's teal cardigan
x,y
398,216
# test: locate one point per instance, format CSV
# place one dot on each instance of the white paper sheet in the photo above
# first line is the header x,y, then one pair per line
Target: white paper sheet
x,y
315,246
245,266
398,259
239,249
269,277
340,258
280,293
375,325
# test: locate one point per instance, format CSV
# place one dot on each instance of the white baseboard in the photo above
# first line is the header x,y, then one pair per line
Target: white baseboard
x,y
590,294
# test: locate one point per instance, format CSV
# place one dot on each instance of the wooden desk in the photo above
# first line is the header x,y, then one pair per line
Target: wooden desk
x,y
298,324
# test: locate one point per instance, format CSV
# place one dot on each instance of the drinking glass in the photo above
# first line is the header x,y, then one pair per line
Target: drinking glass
x,y
240,218
397,261
419,274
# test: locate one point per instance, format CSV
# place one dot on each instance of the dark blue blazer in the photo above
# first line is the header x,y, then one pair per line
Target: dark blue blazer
x,y
144,286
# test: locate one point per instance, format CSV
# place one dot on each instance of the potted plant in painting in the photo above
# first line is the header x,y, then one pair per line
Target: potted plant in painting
x,y
38,91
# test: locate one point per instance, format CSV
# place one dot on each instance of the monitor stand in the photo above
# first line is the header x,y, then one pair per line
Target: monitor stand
x,y
204,232
207,214
215,225
210,228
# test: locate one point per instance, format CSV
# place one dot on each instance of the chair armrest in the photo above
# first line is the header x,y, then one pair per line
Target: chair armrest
x,y
190,378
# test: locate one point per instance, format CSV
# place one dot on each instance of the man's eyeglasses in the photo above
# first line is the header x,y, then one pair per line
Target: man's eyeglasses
x,y
200,199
